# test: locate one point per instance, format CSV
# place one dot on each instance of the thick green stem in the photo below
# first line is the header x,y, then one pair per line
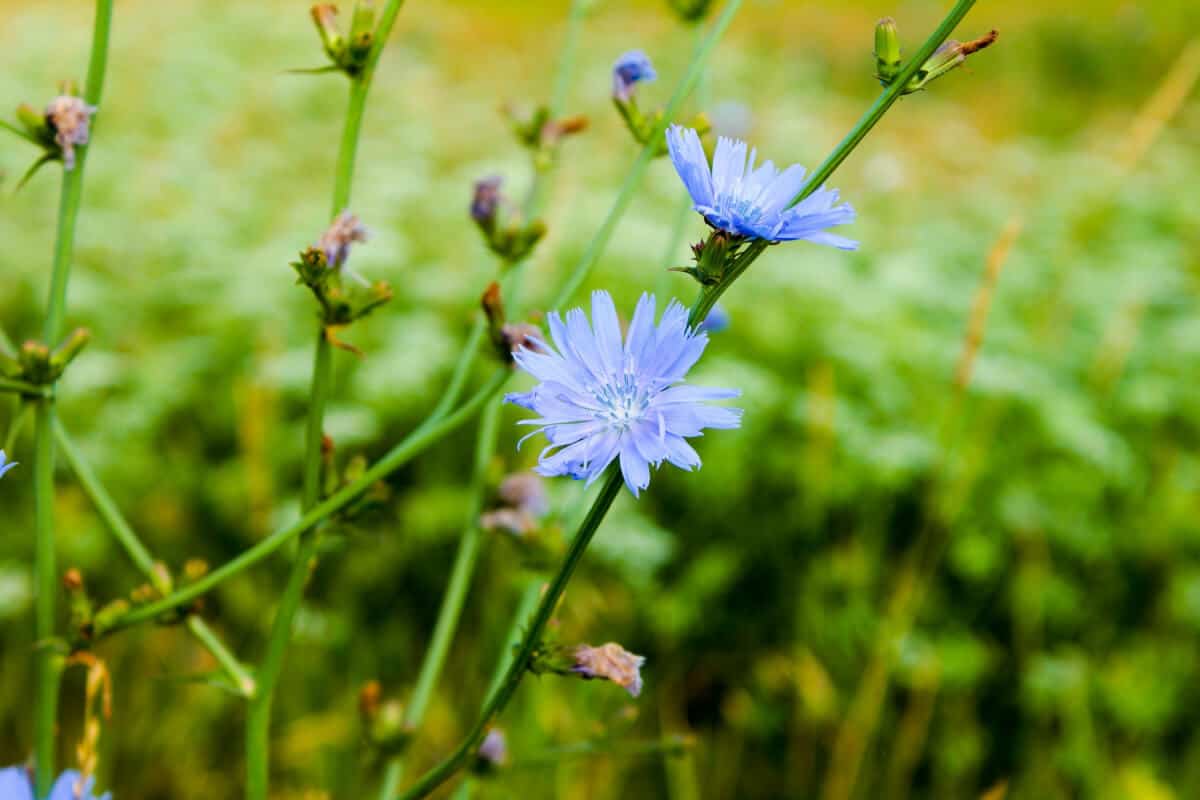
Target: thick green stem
x,y
529,642
44,568
46,583
411,446
708,297
693,74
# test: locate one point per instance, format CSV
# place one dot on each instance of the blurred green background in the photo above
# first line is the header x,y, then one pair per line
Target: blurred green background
x,y
1042,526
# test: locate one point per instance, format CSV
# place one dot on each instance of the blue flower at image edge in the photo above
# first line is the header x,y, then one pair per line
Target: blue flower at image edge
x,y
5,466
739,198
601,399
15,784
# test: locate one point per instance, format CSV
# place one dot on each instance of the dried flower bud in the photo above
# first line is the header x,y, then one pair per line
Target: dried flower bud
x,y
513,521
69,117
486,202
948,57
556,130
345,230
325,18
493,751
73,580
525,491
521,336
610,662
369,698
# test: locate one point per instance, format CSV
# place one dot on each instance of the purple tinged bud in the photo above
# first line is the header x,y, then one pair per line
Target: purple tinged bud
x,y
486,201
525,491
69,117
494,749
630,69
610,662
512,521
335,242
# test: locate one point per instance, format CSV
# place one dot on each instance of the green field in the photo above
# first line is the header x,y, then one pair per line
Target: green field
x,y
954,548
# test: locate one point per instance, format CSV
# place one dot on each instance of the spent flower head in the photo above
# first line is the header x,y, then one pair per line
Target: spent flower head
x,y
69,117
493,751
610,662
17,784
5,466
345,230
735,196
601,400
630,69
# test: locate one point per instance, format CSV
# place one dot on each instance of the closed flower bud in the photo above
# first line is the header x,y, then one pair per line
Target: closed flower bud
x,y
887,50
493,751
485,203
69,118
948,57
610,662
325,18
630,69
345,230
69,349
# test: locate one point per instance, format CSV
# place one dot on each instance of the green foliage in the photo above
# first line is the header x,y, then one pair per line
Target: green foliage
x,y
1055,647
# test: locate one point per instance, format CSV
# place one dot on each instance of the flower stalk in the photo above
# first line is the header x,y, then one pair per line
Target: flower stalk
x,y
48,666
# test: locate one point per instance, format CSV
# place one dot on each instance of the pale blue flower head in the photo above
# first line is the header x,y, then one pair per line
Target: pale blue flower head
x,y
5,466
737,197
15,784
629,70
717,320
601,399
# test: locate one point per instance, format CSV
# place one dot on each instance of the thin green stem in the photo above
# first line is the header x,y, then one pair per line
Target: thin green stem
x,y
463,570
348,150
628,189
123,532
21,414
708,296
258,715
45,579
671,746
242,680
21,387
46,583
529,642
531,590
403,452
315,433
460,575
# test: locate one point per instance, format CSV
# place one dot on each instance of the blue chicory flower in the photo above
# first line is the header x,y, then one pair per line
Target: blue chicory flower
x,y
5,466
744,200
600,400
16,784
717,320
629,70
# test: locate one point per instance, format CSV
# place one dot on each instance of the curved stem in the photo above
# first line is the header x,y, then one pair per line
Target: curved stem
x,y
529,642
708,296
411,446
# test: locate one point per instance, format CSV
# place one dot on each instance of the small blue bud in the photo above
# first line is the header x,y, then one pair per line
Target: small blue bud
x,y
630,69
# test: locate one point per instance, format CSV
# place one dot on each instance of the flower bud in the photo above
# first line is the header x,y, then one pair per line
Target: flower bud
x,y
68,350
69,118
888,60
948,57
362,26
492,752
345,230
630,69
485,203
610,662
325,18
691,10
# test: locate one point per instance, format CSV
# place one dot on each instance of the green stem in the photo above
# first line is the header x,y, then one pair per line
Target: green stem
x,y
44,567
411,446
670,746
46,583
460,575
531,590
529,642
123,532
646,155
21,387
315,434
708,296
21,415
258,715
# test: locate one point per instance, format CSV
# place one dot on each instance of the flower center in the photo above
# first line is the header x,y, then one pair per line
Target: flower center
x,y
624,402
